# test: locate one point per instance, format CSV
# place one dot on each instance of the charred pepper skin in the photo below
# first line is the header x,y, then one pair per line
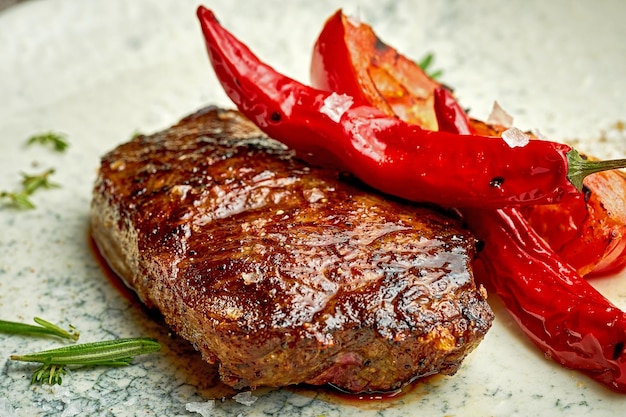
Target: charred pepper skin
x,y
385,152
378,74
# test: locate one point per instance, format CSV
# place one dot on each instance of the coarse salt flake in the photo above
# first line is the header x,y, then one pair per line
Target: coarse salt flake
x,y
499,117
354,20
335,105
205,409
245,398
515,138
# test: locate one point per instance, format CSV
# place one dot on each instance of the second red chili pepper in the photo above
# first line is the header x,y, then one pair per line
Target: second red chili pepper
x,y
570,321
384,152
560,311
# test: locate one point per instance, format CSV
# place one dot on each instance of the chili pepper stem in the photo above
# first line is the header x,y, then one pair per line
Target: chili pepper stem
x,y
579,168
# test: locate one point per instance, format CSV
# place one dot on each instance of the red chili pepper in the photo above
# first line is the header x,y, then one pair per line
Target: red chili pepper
x,y
560,311
557,309
587,230
450,116
389,154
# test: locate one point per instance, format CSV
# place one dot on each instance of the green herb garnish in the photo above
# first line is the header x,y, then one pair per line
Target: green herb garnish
x,y
18,200
107,353
30,183
425,64
56,140
44,327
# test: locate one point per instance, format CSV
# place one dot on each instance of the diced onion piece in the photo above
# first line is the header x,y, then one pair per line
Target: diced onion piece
x,y
514,137
335,105
499,117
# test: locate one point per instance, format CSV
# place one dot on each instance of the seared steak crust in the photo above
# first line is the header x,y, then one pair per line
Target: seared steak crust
x,y
280,272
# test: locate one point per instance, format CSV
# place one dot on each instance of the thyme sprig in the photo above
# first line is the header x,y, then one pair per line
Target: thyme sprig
x,y
30,183
58,141
43,327
18,200
117,352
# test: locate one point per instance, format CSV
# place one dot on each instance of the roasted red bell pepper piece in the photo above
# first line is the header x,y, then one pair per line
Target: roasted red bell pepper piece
x,y
378,74
587,230
385,152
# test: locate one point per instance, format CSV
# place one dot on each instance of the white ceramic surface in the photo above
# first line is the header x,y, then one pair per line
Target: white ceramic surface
x,y
101,70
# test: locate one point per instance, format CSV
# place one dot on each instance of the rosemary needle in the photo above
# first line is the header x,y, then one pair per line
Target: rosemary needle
x,y
110,352
426,63
117,352
44,327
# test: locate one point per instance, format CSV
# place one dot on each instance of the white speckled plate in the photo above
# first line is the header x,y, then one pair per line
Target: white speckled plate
x,y
99,71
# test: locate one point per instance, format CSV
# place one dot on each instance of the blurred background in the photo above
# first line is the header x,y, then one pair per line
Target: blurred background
x,y
6,3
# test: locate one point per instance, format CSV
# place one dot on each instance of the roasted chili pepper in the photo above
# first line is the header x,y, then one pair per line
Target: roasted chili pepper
x,y
558,310
450,116
385,152
587,229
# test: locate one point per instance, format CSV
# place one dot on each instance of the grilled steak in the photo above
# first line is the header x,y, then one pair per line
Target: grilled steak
x,y
283,273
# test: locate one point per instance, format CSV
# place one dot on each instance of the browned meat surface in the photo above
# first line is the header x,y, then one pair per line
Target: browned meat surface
x,y
281,273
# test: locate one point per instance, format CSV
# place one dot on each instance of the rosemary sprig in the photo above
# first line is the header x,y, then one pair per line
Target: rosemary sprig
x,y
44,327
52,374
117,352
58,141
30,183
